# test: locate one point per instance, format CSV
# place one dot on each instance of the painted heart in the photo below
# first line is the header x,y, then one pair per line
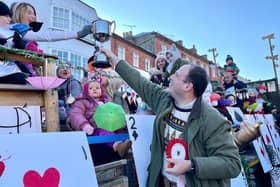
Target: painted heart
x,y
262,151
267,139
2,168
50,178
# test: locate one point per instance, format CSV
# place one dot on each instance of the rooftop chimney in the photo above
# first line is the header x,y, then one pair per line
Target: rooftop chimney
x,y
193,49
204,56
180,42
128,35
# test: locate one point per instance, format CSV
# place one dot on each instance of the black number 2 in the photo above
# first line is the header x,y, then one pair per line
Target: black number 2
x,y
133,122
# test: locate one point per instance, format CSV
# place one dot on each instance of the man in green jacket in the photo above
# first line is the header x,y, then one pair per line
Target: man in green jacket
x,y
192,144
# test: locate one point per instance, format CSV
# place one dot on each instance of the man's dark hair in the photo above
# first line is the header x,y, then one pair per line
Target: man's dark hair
x,y
199,78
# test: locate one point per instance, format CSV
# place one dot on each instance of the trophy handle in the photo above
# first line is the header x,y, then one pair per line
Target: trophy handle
x,y
113,23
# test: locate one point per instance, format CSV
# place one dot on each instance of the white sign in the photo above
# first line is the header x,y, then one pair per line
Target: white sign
x,y
239,181
269,120
236,115
260,146
268,140
46,160
140,129
18,119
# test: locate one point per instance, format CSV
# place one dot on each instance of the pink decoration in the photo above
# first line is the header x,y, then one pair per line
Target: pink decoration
x,y
45,83
214,97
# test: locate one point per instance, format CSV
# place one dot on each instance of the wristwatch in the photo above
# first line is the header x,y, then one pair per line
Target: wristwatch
x,y
192,169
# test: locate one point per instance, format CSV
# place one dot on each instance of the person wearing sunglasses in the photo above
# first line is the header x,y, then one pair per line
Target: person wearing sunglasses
x,y
67,92
204,151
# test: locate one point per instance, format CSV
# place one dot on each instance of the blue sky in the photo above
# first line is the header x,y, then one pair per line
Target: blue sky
x,y
233,27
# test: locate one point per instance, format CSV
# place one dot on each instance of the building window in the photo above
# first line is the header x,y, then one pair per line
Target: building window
x,y
135,59
77,62
77,65
213,71
79,22
147,64
61,18
206,67
62,55
219,73
163,48
85,62
121,53
187,59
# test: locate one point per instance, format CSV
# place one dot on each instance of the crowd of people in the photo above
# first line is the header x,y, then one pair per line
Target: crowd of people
x,y
174,94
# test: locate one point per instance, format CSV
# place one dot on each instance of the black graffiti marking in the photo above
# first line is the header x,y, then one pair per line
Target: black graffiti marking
x,y
84,151
18,124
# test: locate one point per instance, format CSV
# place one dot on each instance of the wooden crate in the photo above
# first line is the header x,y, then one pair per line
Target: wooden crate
x,y
118,182
19,95
111,171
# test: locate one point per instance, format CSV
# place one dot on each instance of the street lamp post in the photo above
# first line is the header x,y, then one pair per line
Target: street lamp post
x,y
272,57
215,66
213,50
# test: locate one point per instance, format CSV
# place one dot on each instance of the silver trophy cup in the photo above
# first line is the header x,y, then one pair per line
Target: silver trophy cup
x,y
101,30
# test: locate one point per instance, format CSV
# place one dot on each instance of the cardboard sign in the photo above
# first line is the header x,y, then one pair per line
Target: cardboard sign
x,y
270,138
269,121
259,146
268,141
46,159
140,128
239,181
236,114
18,119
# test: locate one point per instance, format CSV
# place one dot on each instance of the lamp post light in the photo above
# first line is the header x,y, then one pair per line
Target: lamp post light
x,y
272,57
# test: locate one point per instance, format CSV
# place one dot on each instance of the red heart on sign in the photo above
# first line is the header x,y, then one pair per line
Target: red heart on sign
x,y
33,179
2,168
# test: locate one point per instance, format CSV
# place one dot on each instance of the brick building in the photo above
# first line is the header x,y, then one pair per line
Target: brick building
x,y
137,56
155,42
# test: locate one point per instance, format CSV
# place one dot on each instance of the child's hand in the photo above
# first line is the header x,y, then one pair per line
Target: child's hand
x,y
88,129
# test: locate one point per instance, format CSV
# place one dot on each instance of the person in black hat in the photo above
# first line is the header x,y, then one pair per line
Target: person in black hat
x,y
233,87
231,65
9,71
5,19
25,13
4,10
